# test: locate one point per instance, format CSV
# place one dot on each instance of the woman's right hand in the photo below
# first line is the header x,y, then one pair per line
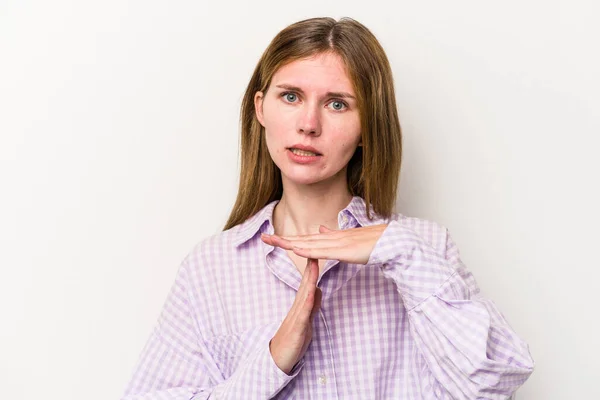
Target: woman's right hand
x,y
295,333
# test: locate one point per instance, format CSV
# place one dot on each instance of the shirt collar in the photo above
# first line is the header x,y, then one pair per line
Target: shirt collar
x,y
352,216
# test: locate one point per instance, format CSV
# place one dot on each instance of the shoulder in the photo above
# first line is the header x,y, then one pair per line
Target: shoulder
x,y
212,255
434,233
220,243
229,249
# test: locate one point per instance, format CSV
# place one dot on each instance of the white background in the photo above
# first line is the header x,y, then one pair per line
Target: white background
x,y
119,152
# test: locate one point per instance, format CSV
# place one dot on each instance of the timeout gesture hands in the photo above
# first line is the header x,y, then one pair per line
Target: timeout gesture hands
x,y
353,246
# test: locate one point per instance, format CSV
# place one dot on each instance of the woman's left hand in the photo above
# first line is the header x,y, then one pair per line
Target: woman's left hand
x,y
352,246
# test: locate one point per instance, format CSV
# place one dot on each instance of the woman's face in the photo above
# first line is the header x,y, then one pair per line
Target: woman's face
x,y
310,103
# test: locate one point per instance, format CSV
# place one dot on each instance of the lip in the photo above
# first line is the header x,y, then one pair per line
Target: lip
x,y
305,148
298,159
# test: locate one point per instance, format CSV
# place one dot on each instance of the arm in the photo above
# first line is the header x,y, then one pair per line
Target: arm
x,y
176,365
469,348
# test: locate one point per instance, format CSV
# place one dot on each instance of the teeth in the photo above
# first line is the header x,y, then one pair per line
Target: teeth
x,y
303,152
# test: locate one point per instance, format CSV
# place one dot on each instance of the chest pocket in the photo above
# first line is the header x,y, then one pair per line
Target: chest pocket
x,y
230,350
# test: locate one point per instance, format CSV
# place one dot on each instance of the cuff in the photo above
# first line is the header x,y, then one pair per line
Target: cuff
x,y
274,378
278,374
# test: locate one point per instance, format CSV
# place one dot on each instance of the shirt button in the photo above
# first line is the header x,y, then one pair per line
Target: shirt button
x,y
344,218
322,380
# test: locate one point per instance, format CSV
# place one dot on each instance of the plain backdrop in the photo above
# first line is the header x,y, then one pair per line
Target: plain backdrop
x,y
119,152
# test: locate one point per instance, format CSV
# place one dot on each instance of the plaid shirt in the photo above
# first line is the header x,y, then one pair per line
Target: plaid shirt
x,y
410,324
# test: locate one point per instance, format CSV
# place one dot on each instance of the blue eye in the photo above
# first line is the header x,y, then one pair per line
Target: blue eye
x,y
338,105
291,97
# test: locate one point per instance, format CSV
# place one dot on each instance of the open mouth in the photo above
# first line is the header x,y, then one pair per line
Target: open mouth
x,y
304,153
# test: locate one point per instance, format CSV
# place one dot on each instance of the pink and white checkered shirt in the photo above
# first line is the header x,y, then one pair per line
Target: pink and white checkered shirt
x,y
411,324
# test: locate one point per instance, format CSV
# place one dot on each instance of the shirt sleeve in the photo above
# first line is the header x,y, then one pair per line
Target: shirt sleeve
x,y
176,365
469,349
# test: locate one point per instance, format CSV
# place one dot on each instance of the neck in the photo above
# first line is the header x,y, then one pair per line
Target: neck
x,y
303,208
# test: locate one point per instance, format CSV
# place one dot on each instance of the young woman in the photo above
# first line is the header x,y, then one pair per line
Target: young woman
x,y
316,289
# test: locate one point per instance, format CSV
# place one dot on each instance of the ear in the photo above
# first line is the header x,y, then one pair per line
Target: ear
x,y
258,106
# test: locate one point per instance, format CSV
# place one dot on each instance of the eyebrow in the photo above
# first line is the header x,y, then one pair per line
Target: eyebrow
x,y
329,94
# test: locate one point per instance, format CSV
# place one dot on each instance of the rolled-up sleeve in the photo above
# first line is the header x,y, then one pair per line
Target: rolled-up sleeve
x,y
470,350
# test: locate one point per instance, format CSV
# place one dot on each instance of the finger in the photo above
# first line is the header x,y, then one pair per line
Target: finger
x,y
289,245
309,279
312,271
331,233
324,229
327,253
277,241
305,276
303,288
267,239
313,244
328,235
316,236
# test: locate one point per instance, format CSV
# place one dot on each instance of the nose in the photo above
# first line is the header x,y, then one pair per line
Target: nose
x,y
309,120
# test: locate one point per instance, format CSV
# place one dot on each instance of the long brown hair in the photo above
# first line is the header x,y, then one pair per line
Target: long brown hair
x,y
374,169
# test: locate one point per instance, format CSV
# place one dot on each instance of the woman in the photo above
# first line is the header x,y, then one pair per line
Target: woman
x,y
316,289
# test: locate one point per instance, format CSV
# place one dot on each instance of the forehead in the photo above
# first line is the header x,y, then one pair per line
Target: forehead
x,y
325,72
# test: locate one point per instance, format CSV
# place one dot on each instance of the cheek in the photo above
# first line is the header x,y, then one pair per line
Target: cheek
x,y
275,113
277,122
346,137
347,149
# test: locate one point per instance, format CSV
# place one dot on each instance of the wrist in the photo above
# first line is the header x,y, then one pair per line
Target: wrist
x,y
278,362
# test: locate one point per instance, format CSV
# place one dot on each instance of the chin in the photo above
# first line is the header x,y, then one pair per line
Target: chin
x,y
303,180
306,178
307,175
